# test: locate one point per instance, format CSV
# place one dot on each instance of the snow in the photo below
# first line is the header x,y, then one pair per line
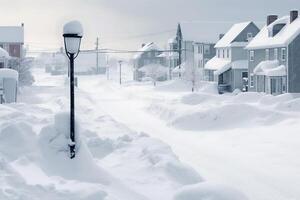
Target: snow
x,y
233,32
3,53
74,27
217,63
11,34
238,64
148,47
205,191
288,33
133,146
270,68
172,40
9,73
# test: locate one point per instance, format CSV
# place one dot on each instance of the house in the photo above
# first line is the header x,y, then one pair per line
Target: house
x,y
12,40
196,44
4,57
274,56
229,67
148,54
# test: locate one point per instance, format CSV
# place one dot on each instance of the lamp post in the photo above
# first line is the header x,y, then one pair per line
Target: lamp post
x,y
72,39
120,76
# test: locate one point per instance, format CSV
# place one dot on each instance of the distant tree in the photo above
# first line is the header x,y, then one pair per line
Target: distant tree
x,y
23,66
154,71
191,74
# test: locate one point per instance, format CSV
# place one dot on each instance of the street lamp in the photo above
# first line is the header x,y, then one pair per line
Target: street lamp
x,y
72,39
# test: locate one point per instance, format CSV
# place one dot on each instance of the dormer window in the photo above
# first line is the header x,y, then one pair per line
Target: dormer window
x,y
277,28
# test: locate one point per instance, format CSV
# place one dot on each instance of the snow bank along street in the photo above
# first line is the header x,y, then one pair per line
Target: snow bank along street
x,y
248,141
113,162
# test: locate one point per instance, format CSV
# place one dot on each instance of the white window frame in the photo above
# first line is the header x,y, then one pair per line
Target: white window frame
x,y
249,36
267,54
251,55
276,54
283,54
251,82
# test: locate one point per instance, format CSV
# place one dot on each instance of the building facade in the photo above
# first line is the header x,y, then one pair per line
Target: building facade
x,y
229,67
274,56
148,54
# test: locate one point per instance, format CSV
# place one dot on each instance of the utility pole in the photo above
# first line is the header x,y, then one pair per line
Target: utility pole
x,y
120,63
97,55
179,43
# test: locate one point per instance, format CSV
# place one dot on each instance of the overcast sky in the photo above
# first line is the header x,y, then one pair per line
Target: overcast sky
x,y
118,22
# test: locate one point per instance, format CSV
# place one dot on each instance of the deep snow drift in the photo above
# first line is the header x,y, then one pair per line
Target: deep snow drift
x,y
113,162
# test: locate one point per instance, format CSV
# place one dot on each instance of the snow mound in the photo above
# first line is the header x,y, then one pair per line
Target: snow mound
x,y
53,142
9,73
198,98
208,191
17,139
225,117
73,27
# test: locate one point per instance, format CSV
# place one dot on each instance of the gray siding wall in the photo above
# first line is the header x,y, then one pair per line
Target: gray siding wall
x,y
238,53
251,28
294,66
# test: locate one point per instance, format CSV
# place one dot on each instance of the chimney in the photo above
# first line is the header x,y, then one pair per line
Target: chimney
x,y
143,45
221,36
271,19
293,15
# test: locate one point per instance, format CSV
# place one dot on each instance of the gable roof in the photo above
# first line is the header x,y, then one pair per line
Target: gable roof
x,y
233,32
288,33
11,34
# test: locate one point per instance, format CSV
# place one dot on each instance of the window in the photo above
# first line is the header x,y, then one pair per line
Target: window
x,y
251,55
267,54
251,80
284,85
223,53
228,52
249,36
218,52
206,49
283,54
199,49
276,54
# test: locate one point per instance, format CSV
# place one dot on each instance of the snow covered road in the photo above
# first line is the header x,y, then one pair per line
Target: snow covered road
x,y
260,159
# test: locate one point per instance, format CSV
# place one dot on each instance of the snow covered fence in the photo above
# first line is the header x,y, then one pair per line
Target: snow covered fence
x,y
8,85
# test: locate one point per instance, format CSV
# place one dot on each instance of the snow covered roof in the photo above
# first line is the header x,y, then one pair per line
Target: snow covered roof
x,y
270,68
238,64
148,47
233,32
4,53
172,40
216,63
9,73
11,34
288,33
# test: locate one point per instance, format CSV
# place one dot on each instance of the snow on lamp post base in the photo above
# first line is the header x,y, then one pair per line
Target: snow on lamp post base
x,y
72,34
